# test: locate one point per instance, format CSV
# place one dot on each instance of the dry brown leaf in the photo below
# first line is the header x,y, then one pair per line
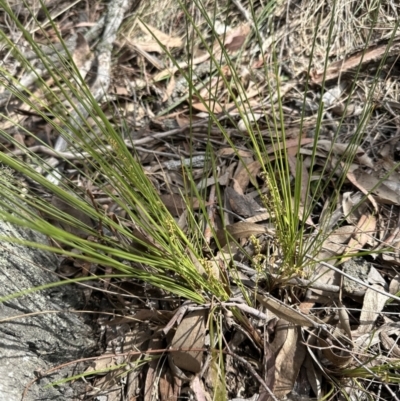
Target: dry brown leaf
x,y
177,372
259,217
389,343
210,181
386,152
196,263
239,230
374,53
323,274
336,148
233,152
214,266
176,205
375,277
373,304
150,385
337,349
302,214
305,307
365,228
280,335
372,183
156,316
169,386
253,90
374,337
233,110
205,93
152,45
182,120
82,55
394,286
288,361
393,185
365,160
344,320
368,228
329,219
234,39
20,139
289,143
136,339
170,89
304,178
335,242
102,364
285,312
392,240
347,148
236,187
353,179
338,346
121,91
198,60
391,259
314,376
269,369
145,238
209,107
197,387
244,175
349,203
190,334
242,205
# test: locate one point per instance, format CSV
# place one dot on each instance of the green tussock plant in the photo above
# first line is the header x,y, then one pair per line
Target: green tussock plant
x,y
285,200
146,243
167,247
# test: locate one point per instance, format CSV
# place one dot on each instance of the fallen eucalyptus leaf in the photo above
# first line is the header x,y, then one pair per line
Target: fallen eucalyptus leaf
x,y
190,334
240,230
288,361
286,312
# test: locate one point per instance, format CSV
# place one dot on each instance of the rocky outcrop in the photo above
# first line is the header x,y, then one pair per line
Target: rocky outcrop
x,y
37,333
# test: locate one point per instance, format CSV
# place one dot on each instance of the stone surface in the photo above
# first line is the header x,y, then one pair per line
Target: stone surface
x,y
31,344
358,268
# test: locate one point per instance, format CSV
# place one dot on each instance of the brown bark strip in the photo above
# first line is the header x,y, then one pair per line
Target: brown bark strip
x,y
372,54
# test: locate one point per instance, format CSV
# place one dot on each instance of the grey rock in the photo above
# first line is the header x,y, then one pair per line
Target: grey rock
x,y
36,343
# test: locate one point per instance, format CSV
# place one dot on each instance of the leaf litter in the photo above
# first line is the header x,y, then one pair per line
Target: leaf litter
x,y
302,334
